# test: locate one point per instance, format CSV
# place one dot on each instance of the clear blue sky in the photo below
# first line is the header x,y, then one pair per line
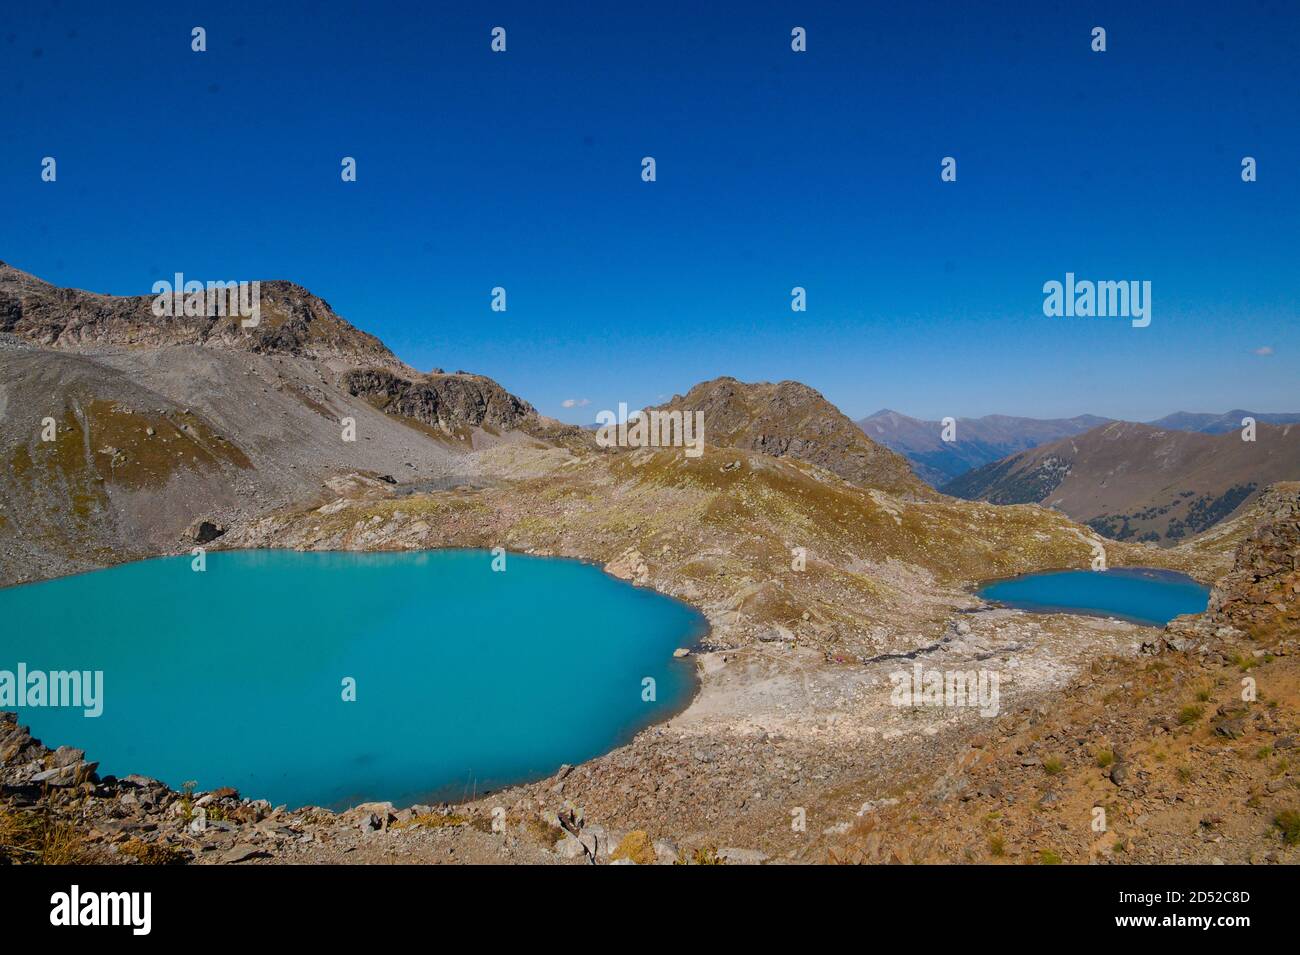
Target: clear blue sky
x,y
775,169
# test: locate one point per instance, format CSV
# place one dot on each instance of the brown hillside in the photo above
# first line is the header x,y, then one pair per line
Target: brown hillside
x,y
1138,483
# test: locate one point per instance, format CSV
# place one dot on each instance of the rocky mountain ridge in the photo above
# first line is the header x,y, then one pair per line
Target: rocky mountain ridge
x,y
293,322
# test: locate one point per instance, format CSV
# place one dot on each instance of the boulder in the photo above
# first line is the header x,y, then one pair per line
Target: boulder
x,y
1230,728
570,847
67,756
666,852
733,856
242,853
142,782
630,566
70,775
204,531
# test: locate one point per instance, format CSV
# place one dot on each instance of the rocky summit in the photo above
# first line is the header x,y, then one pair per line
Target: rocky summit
x,y
292,322
789,419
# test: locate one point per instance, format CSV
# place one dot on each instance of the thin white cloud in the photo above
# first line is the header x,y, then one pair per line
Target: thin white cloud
x,y
575,402
1264,350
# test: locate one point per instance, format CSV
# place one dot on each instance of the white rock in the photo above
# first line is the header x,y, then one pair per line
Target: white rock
x,y
733,856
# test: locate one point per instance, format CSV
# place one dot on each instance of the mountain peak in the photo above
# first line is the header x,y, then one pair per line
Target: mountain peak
x,y
887,413
791,419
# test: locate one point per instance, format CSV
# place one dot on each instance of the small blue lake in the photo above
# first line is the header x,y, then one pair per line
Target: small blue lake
x,y
466,678
1138,594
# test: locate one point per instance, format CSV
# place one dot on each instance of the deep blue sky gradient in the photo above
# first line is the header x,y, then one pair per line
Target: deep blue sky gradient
x,y
775,169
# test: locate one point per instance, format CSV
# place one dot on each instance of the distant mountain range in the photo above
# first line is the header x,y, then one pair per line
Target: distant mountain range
x,y
1139,482
1220,423
981,441
978,440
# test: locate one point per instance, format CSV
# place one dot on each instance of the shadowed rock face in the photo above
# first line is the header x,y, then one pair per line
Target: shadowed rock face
x,y
443,401
1263,589
789,419
1259,598
293,322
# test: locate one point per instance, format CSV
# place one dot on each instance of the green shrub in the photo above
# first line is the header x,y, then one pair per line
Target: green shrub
x,y
1288,820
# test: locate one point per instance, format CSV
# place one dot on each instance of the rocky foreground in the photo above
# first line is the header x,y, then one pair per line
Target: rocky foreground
x,y
1189,753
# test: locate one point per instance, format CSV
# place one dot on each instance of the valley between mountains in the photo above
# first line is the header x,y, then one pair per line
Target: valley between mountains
x,y
176,432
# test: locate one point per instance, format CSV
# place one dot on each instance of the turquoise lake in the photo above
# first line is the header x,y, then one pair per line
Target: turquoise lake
x,y
1141,595
466,679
